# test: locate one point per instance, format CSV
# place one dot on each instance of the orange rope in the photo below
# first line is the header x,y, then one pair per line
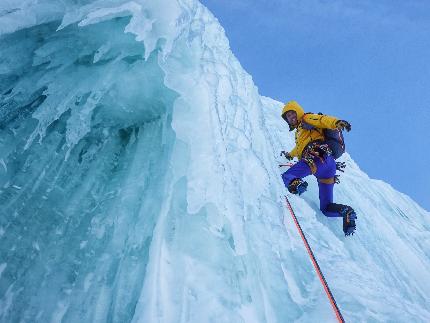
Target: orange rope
x,y
316,266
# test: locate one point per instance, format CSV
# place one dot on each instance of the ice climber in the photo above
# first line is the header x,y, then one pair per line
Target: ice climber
x,y
319,141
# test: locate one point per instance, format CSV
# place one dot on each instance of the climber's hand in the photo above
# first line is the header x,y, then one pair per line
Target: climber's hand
x,y
287,155
342,124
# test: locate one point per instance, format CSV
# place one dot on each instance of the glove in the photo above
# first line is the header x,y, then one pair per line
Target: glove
x,y
287,155
342,124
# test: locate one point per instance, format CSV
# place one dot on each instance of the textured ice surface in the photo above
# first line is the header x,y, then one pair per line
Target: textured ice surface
x,y
139,181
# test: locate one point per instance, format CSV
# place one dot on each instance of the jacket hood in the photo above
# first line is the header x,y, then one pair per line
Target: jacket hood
x,y
294,106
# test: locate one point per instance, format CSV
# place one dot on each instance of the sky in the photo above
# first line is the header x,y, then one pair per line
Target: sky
x,y
367,62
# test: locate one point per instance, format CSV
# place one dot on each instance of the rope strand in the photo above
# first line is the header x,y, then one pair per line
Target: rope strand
x,y
316,266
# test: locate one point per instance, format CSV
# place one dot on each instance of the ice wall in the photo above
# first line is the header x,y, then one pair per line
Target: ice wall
x,y
140,182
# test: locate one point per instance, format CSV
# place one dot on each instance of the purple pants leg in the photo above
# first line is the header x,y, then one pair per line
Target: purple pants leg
x,y
326,169
298,170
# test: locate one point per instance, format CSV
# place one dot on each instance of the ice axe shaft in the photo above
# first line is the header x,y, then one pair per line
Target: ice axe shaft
x,y
286,165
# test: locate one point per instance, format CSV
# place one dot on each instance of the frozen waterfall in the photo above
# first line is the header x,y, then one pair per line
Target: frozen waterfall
x,y
139,182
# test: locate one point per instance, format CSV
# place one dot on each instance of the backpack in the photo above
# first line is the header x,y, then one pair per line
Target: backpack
x,y
332,137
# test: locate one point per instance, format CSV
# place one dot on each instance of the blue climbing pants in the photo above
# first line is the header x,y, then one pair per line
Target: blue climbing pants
x,y
325,170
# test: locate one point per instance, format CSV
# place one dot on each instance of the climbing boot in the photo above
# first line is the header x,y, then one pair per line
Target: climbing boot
x,y
348,215
349,218
297,186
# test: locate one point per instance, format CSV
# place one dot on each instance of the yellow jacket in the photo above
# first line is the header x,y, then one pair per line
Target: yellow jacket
x,y
305,136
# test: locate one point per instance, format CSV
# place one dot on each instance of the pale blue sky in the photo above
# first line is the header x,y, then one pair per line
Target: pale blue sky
x,y
364,61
